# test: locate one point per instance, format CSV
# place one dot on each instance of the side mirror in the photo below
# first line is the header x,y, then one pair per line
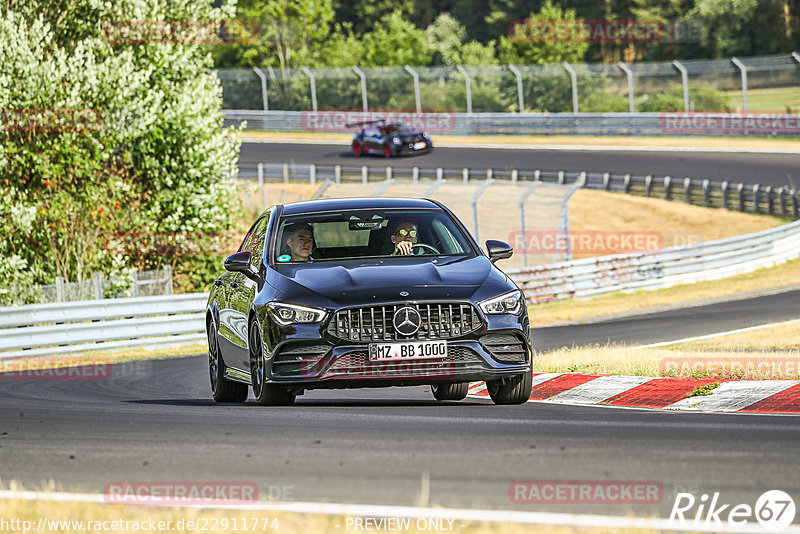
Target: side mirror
x,y
498,250
239,262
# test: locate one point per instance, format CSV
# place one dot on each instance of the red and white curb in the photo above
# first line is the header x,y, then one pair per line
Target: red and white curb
x,y
747,396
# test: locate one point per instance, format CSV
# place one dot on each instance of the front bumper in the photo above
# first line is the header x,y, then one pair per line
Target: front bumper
x,y
320,362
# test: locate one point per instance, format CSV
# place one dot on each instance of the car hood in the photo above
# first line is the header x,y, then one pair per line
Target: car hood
x,y
382,280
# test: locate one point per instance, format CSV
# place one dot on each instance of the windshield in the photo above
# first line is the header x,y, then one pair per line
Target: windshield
x,y
349,234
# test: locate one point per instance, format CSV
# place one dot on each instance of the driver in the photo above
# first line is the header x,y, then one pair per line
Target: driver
x,y
404,238
299,238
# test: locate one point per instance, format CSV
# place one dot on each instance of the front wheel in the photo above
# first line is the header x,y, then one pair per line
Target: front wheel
x,y
387,151
222,389
266,394
358,150
450,392
511,390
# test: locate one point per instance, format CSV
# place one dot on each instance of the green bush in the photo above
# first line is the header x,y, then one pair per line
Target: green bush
x,y
701,97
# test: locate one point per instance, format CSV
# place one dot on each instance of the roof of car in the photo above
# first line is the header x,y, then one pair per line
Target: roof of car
x,y
333,204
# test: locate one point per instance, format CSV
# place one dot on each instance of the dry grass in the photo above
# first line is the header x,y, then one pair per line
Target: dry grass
x,y
672,362
570,140
782,337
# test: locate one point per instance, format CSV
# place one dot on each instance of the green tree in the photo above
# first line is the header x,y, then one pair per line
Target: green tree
x,y
445,37
546,51
395,41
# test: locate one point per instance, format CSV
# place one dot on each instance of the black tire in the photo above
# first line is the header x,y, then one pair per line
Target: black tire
x,y
266,394
454,391
222,389
512,390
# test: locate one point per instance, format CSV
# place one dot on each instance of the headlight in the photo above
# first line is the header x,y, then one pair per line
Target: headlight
x,y
396,140
285,314
510,302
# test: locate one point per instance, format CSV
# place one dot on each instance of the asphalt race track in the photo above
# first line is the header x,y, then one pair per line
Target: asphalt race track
x,y
154,420
764,168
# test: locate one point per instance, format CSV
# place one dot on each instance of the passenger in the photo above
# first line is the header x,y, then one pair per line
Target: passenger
x,y
299,237
404,237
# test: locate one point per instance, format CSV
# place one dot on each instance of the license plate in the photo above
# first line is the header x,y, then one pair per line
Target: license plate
x,y
409,349
421,144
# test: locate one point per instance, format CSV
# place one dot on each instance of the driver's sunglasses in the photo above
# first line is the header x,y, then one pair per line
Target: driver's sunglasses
x,y
403,232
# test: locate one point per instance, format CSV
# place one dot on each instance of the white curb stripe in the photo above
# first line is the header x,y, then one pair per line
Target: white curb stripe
x,y
733,396
544,377
600,389
717,334
370,510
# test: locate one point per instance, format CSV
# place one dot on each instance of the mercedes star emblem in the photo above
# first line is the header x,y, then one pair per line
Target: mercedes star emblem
x,y
404,293
407,321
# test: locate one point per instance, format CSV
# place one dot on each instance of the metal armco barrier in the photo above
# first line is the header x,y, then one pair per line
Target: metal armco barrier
x,y
667,123
678,265
62,328
750,198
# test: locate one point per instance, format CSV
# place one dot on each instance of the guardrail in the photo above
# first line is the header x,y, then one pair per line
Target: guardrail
x,y
60,328
750,198
678,265
634,124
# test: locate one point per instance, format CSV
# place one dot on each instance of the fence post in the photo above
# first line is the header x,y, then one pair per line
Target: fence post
x,y
667,186
439,174
520,96
168,279
796,56
264,96
59,289
561,177
740,189
465,174
388,172
97,285
782,198
648,184
574,77
415,76
312,82
474,202
537,175
725,194
415,175
363,77
364,172
606,177
337,173
706,197
627,183
684,81
770,206
286,173
629,74
743,69
312,174
687,190
522,200
514,176
755,199
468,86
135,284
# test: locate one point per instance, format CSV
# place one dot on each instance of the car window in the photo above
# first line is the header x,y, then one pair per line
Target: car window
x,y
368,233
258,239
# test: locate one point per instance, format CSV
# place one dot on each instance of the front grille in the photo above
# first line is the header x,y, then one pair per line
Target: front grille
x,y
358,365
507,348
296,359
374,323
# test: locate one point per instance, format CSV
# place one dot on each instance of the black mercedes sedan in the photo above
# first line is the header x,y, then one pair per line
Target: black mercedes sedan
x,y
389,139
369,292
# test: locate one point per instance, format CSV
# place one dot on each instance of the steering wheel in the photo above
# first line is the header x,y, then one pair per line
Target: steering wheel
x,y
424,246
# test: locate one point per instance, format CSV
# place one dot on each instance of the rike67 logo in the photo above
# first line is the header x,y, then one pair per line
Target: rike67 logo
x,y
774,510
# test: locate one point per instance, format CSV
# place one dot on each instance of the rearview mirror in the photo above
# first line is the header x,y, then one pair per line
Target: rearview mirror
x,y
239,262
498,250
